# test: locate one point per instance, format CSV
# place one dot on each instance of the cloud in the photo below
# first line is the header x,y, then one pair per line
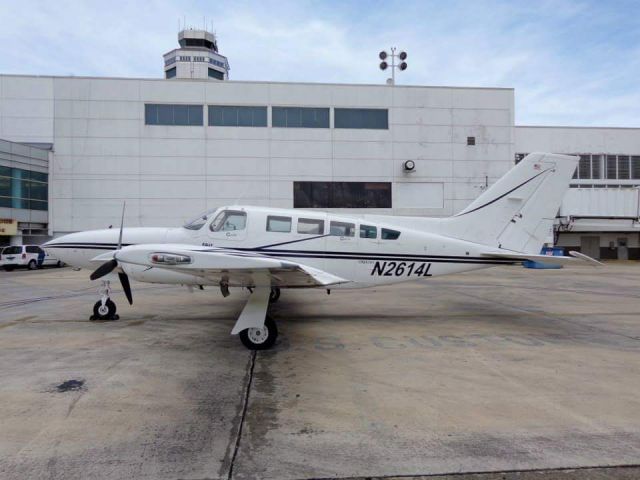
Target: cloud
x,y
571,62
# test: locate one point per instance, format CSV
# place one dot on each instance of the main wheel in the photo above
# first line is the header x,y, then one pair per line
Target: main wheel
x,y
32,265
260,338
274,295
104,312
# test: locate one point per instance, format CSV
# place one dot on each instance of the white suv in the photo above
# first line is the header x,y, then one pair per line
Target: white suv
x,y
30,256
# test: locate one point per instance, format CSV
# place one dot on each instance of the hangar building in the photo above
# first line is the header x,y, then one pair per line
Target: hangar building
x,y
74,148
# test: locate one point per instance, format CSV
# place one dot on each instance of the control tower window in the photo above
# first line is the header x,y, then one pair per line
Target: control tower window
x,y
171,72
216,74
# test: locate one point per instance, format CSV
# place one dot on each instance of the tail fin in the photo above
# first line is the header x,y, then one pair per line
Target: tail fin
x,y
518,211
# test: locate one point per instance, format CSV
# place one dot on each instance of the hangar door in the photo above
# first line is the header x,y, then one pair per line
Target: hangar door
x,y
590,246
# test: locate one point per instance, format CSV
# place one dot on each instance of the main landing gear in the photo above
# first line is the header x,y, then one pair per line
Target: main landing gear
x,y
105,308
257,330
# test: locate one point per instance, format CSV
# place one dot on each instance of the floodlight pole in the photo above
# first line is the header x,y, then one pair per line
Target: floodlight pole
x,y
393,65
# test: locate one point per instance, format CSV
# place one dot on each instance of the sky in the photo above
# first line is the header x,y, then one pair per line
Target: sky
x,y
570,62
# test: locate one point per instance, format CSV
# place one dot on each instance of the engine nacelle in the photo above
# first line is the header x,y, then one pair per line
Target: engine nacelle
x,y
162,275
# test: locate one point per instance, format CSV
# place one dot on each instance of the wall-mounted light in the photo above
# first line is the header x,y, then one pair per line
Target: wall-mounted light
x,y
409,166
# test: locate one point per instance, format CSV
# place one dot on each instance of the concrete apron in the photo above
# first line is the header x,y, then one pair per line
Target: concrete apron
x,y
501,370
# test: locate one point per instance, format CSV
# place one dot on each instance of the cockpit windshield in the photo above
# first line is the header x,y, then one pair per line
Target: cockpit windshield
x,y
198,222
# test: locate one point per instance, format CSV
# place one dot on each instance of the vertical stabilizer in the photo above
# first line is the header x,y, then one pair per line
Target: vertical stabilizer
x,y
517,212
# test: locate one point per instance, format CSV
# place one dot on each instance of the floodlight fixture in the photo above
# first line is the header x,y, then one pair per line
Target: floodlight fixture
x,y
402,56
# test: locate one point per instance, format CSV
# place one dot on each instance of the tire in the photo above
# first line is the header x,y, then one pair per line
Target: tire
x,y
32,265
260,338
274,295
106,313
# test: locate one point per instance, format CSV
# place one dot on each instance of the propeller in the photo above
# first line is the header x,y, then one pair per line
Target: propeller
x,y
111,265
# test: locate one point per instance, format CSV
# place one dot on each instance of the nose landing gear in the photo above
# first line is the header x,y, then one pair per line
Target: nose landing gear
x,y
105,308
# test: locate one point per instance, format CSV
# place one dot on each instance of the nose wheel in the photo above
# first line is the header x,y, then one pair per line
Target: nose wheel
x,y
106,311
105,308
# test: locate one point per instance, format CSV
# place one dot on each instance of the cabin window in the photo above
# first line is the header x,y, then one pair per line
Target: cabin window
x,y
342,229
278,224
368,231
310,226
388,234
229,221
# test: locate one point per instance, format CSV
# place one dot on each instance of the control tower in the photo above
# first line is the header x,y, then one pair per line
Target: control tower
x,y
197,57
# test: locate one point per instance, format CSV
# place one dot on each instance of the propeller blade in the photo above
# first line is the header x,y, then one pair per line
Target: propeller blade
x,y
124,205
126,286
104,269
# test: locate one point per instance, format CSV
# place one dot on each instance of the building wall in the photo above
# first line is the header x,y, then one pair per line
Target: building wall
x,y
578,140
104,153
601,212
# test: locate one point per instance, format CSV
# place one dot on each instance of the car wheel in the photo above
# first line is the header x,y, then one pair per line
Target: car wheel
x,y
32,265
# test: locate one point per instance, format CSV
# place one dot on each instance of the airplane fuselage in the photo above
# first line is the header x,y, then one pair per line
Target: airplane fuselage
x,y
364,252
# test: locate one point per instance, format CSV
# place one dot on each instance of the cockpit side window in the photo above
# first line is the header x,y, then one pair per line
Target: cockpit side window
x,y
198,222
229,221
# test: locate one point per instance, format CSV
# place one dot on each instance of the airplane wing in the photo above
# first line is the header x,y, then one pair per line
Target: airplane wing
x,y
236,268
576,257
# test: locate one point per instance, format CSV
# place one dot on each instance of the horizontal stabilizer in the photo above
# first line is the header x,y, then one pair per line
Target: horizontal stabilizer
x,y
575,257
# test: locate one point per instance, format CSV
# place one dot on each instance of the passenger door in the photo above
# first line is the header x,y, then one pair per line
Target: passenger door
x,y
342,239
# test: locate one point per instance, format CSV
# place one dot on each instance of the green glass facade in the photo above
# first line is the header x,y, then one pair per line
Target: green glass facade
x,y
23,189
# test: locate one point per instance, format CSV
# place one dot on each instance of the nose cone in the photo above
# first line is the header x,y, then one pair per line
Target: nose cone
x,y
77,249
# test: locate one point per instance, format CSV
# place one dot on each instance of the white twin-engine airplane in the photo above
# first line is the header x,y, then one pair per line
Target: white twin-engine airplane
x,y
266,249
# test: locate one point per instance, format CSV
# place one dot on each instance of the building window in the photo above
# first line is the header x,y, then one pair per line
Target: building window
x,y
342,194
612,167
213,73
372,118
299,117
471,140
520,157
635,167
218,63
23,189
160,114
171,73
278,224
230,116
169,61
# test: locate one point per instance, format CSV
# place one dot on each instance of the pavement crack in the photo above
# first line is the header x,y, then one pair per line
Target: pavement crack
x,y
245,406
